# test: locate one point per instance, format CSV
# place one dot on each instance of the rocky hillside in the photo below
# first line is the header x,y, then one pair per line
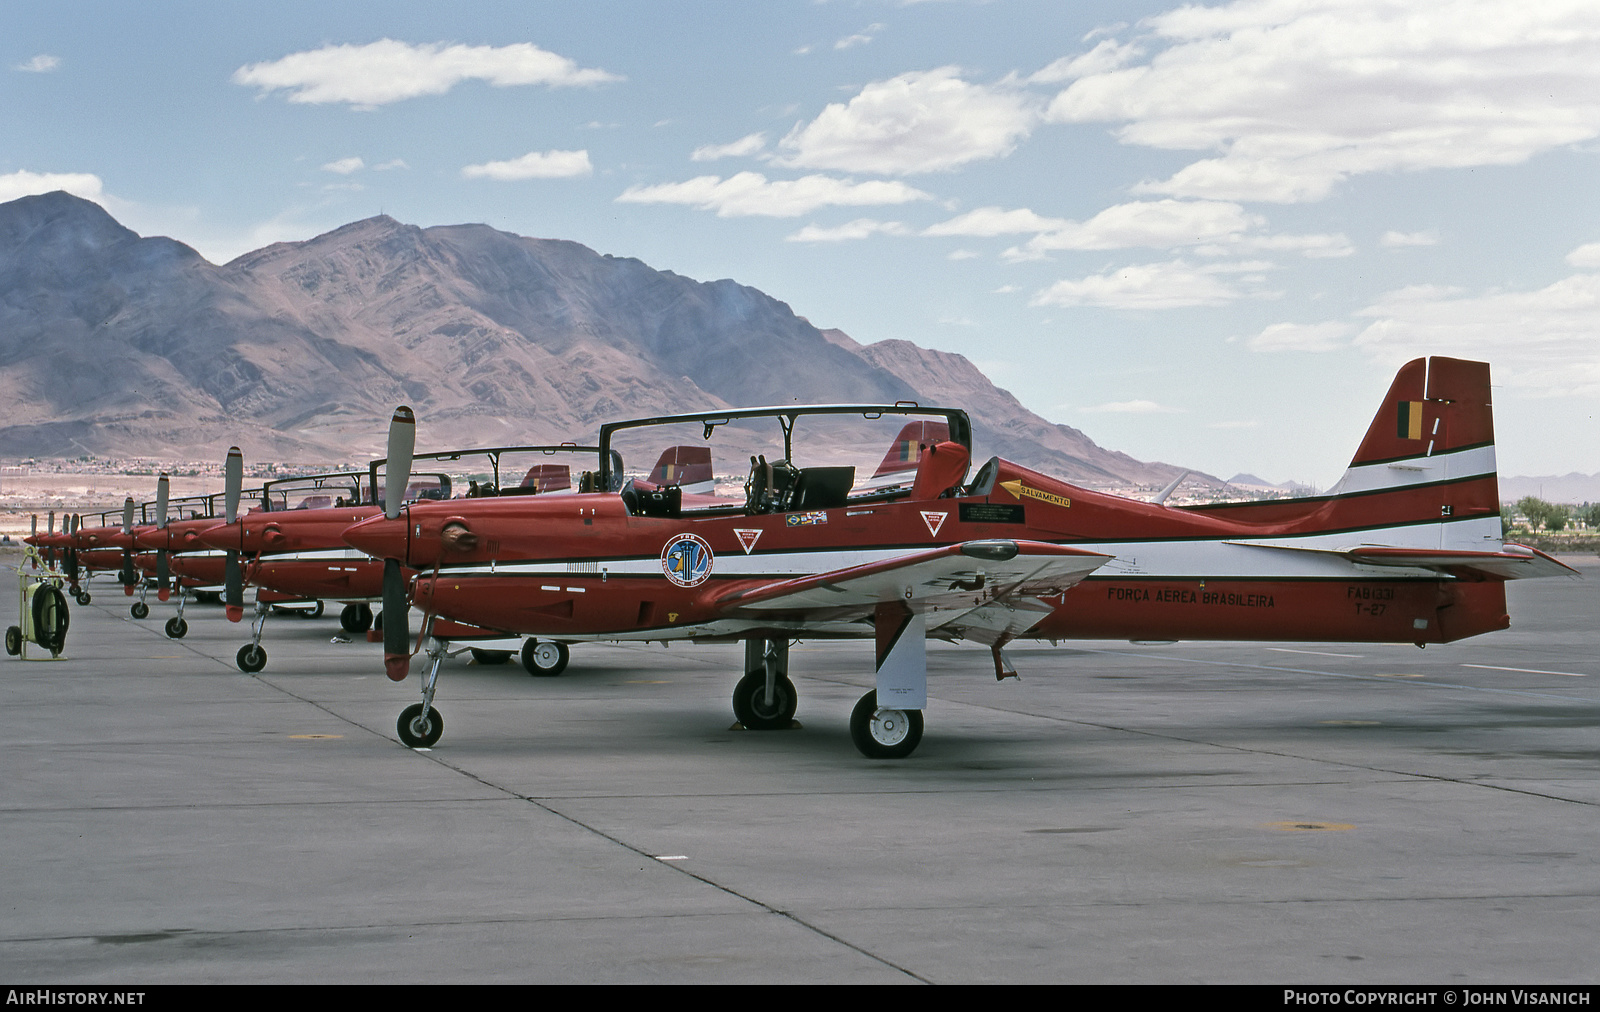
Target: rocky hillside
x,y
115,344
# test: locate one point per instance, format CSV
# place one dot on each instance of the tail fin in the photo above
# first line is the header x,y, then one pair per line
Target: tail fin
x,y
688,466
1431,443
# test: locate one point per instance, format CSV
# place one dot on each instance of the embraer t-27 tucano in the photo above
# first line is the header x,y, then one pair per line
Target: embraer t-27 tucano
x,y
1405,548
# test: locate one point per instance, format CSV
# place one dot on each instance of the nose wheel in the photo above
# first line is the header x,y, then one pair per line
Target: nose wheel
x,y
419,730
884,733
251,658
177,628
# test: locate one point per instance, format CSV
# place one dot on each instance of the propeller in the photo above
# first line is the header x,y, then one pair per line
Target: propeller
x,y
396,609
127,578
163,574
233,578
72,550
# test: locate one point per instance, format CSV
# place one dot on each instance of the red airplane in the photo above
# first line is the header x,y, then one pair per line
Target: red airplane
x,y
1405,548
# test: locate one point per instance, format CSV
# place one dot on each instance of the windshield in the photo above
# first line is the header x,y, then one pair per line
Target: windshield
x,y
801,458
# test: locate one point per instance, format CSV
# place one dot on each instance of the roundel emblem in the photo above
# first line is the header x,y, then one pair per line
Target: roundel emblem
x,y
687,560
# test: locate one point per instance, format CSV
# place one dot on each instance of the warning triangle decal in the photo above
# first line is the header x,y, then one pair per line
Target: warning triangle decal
x,y
747,538
934,521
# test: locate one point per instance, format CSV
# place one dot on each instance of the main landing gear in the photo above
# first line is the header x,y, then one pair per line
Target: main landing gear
x,y
765,698
544,658
356,618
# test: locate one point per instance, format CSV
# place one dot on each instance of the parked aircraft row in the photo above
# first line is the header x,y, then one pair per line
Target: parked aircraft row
x,y
829,536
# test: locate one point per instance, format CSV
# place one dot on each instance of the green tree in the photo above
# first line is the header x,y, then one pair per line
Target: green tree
x,y
1551,516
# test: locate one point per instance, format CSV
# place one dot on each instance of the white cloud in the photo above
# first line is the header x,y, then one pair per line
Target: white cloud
x,y
742,148
861,228
1397,239
750,193
987,222
1303,337
345,166
1133,408
395,163
25,184
533,165
1587,255
1298,95
1170,285
41,64
927,121
389,71
1106,56
860,38
1160,224
1541,342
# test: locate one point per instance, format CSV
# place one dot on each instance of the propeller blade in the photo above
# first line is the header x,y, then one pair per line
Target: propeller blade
x,y
397,472
396,621
233,477
163,573
127,577
233,588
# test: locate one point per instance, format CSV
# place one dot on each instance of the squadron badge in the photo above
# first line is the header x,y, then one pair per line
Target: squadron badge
x,y
687,560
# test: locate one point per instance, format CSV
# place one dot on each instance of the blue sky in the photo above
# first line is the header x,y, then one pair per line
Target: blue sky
x,y
1204,234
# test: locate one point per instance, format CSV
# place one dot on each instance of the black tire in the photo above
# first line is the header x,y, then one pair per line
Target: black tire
x,y
177,628
139,610
251,658
755,711
887,734
83,597
490,656
50,619
14,640
355,618
314,612
545,658
415,732
377,622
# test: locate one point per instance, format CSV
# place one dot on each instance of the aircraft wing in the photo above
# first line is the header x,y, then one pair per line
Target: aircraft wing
x,y
1512,562
981,590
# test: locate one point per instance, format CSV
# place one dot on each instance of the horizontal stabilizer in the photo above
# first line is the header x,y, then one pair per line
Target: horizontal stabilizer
x,y
1512,562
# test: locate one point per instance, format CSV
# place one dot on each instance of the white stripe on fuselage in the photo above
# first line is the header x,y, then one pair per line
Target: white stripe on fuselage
x,y
1230,558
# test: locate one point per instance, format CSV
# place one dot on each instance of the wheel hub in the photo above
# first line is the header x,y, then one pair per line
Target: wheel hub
x,y
890,727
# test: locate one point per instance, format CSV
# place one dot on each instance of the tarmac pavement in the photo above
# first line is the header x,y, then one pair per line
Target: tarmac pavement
x,y
1191,813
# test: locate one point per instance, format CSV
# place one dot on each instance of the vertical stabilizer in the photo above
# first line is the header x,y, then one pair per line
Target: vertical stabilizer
x,y
1431,446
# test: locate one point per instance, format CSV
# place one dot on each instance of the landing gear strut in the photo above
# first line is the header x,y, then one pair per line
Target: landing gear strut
x,y
176,627
420,725
252,657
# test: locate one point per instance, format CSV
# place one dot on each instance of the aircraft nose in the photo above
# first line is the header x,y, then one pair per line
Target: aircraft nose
x,y
379,537
223,536
152,540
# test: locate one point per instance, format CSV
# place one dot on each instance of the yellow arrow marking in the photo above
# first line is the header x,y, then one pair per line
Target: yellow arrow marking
x,y
1018,490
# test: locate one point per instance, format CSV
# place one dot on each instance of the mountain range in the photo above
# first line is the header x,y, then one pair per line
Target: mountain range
x,y
113,344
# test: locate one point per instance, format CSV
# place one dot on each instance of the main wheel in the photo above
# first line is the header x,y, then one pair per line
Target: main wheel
x,y
177,628
315,611
545,658
14,640
417,732
355,618
758,713
884,734
251,658
139,610
490,656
